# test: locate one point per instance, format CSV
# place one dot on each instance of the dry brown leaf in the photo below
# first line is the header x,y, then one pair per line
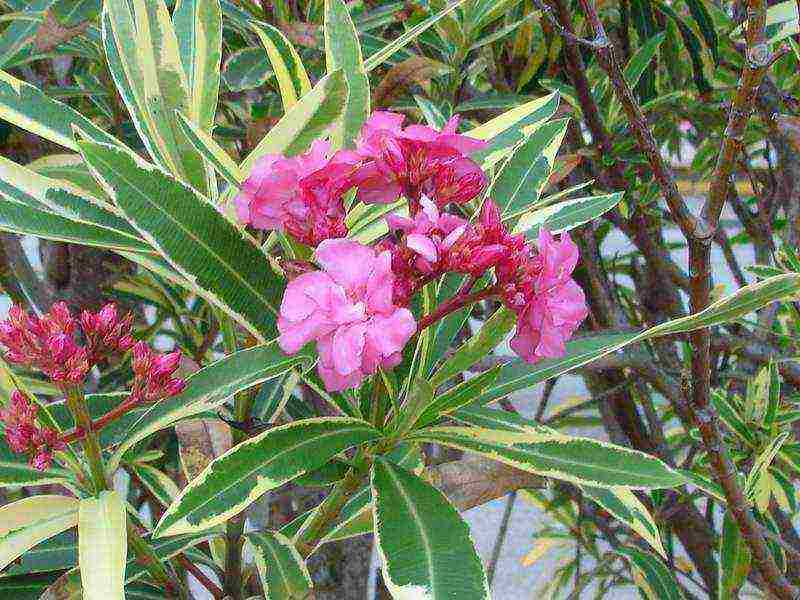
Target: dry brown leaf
x,y
414,70
200,441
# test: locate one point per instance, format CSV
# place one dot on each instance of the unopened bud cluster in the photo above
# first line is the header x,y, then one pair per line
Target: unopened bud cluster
x,y
50,344
25,435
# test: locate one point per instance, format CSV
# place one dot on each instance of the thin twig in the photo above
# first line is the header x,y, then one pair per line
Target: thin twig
x,y
201,577
501,537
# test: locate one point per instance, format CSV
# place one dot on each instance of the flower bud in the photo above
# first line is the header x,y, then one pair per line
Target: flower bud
x,y
166,364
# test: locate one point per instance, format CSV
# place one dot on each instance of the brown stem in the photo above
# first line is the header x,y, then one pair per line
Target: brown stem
x,y
757,60
212,587
637,121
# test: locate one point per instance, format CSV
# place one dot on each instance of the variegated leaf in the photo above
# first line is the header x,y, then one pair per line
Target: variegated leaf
x,y
425,546
262,463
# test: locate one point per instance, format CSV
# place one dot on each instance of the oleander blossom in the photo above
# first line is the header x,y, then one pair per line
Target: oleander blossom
x,y
414,161
554,304
347,308
301,195
24,435
422,246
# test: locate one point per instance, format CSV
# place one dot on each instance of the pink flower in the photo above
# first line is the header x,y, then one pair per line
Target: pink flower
x,y
429,234
485,244
301,195
554,305
105,332
347,308
413,161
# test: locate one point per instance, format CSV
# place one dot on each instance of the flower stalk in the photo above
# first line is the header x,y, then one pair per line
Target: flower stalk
x,y
310,535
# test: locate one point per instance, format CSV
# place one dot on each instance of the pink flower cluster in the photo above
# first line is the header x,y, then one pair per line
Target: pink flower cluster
x,y
347,309
303,195
48,344
353,306
414,161
24,434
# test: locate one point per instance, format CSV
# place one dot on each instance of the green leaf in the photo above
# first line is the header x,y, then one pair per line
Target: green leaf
x,y
143,56
653,577
419,397
157,483
634,70
730,416
626,507
292,79
566,215
233,481
517,375
246,69
27,107
491,418
706,25
68,168
54,554
17,474
198,26
29,521
457,396
426,547
520,183
68,587
406,38
26,587
304,122
580,460
422,351
102,547
773,395
211,386
211,151
343,52
226,266
52,209
759,473
734,559
505,131
281,569
493,331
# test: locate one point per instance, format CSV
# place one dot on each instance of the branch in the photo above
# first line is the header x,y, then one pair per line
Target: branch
x,y
757,59
662,173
